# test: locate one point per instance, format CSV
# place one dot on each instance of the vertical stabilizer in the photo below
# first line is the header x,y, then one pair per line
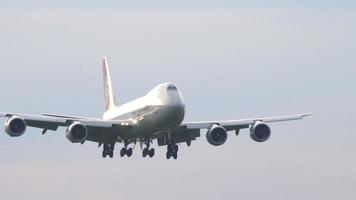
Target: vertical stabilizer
x,y
108,93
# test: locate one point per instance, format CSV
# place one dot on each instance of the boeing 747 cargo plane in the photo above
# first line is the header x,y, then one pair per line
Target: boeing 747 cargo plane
x,y
157,116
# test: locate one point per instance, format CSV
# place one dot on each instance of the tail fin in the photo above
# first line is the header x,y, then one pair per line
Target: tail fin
x,y
108,93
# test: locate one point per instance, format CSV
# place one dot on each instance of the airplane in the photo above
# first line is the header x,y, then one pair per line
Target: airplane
x,y
157,116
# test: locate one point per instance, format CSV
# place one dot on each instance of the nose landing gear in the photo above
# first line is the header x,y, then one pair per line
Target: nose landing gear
x,y
148,152
126,151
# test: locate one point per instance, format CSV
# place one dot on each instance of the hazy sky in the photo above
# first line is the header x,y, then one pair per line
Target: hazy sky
x,y
230,59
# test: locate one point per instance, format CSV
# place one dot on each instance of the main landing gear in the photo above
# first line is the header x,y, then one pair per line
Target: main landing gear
x,y
147,151
172,151
108,150
126,151
172,148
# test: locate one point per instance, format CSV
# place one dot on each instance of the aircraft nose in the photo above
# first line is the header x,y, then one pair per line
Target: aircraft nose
x,y
174,96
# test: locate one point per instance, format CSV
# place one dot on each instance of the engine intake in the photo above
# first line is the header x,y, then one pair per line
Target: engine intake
x,y
217,135
77,133
260,132
15,126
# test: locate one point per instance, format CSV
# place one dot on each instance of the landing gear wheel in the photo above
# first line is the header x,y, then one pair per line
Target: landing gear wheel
x,y
122,152
108,150
175,155
104,154
111,154
129,152
145,152
151,153
172,151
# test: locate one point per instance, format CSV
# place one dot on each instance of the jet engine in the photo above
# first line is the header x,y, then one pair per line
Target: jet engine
x,y
260,132
15,126
77,133
216,135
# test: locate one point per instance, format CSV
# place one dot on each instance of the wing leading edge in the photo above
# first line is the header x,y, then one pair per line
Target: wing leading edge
x,y
62,120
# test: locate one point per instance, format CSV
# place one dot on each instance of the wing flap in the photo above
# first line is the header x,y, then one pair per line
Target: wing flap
x,y
179,135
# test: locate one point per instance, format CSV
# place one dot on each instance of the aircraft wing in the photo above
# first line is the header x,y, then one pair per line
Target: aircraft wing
x,y
233,124
189,131
97,128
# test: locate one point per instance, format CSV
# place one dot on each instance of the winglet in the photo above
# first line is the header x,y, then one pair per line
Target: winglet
x,y
108,93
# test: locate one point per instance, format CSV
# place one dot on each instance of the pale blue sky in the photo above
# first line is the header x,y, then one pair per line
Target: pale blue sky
x,y
185,4
236,61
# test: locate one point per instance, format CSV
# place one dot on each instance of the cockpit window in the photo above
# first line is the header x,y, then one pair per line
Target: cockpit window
x,y
172,88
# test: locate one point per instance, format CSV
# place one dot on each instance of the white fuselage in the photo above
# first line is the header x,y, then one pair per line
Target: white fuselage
x,y
161,109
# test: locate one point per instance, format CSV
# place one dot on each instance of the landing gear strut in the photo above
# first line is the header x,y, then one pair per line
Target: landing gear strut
x,y
147,151
108,150
126,151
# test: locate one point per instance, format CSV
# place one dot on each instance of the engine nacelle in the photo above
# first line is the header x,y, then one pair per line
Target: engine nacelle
x,y
15,126
216,135
260,132
77,133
